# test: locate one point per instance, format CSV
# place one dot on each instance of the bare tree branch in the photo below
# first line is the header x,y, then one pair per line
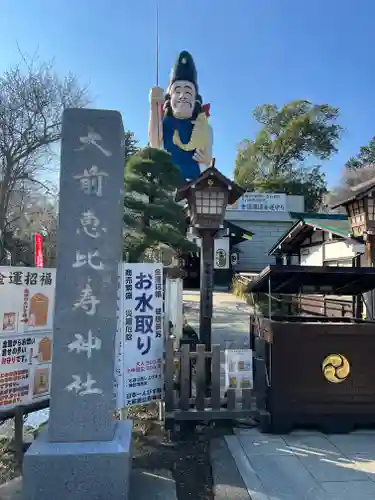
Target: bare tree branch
x,y
32,99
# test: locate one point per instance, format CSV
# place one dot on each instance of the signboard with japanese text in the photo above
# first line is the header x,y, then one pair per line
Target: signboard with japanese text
x,y
25,370
261,202
26,317
119,345
89,252
26,299
142,323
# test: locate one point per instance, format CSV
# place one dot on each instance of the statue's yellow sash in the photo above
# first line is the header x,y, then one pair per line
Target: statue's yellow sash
x,y
199,137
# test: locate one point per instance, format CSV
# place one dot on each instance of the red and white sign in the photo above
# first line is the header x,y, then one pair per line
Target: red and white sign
x,y
39,261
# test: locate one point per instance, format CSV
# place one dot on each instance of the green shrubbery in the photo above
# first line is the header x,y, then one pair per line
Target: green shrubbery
x,y
259,301
239,288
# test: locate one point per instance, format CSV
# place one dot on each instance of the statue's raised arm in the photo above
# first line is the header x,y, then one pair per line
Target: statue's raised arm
x,y
179,120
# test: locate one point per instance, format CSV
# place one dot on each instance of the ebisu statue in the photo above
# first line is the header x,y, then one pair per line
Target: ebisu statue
x,y
179,120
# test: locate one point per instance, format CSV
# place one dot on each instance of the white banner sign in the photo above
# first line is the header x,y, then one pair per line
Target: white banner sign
x,y
26,318
119,345
143,340
262,202
221,253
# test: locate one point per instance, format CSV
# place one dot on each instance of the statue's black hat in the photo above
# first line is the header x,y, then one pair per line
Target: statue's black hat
x,y
184,69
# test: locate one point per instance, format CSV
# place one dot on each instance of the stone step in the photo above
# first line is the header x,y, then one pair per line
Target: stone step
x,y
144,485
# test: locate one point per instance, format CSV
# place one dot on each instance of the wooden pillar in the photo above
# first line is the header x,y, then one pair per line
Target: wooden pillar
x,y
369,262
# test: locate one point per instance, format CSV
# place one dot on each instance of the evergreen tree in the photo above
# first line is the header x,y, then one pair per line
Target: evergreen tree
x,y
131,145
364,158
152,216
282,157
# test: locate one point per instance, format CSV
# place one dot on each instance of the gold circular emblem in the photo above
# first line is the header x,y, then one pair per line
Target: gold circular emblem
x,y
210,182
335,368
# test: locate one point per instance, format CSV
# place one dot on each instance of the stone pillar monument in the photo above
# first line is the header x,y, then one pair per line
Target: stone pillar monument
x,y
85,454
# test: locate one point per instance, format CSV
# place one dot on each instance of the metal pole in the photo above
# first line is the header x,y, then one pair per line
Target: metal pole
x,y
269,299
357,299
157,43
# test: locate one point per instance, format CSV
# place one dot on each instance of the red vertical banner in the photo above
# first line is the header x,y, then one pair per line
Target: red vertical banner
x,y
39,250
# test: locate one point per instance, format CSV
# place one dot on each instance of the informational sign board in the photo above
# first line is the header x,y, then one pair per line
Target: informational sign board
x,y
238,369
26,316
142,333
26,299
261,202
119,345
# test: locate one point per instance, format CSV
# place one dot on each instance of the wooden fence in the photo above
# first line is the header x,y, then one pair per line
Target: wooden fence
x,y
186,399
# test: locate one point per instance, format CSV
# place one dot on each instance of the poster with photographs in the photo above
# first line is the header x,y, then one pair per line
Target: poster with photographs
x,y
26,299
238,369
26,319
25,369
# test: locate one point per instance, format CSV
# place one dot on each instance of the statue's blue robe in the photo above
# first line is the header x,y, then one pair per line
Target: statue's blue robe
x,y
183,159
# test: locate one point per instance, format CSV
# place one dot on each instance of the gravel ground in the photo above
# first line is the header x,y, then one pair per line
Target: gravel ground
x,y
8,468
187,456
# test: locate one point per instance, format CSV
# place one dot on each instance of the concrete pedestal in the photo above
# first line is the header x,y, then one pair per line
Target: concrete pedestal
x,y
79,471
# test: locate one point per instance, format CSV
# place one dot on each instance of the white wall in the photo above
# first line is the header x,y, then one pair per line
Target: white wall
x,y
329,251
296,203
342,249
312,256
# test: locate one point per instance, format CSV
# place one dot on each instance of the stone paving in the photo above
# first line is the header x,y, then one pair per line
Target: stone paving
x,y
305,465
300,466
230,322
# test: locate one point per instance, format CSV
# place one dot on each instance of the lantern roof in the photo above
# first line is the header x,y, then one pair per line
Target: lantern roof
x,y
235,191
359,191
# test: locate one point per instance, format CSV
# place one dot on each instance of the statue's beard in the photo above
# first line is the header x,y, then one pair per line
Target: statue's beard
x,y
182,109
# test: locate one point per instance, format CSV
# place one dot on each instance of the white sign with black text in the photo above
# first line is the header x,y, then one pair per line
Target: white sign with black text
x,y
221,253
262,202
142,332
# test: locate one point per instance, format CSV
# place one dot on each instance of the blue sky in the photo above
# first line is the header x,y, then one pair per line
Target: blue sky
x,y
248,52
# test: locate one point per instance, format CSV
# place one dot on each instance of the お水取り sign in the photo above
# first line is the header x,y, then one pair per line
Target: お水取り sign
x,y
142,332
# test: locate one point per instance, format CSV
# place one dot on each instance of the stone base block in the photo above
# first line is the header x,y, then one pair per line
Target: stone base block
x,y
79,471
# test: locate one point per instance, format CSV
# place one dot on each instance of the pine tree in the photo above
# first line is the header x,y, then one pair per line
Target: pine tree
x,y
152,216
131,145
